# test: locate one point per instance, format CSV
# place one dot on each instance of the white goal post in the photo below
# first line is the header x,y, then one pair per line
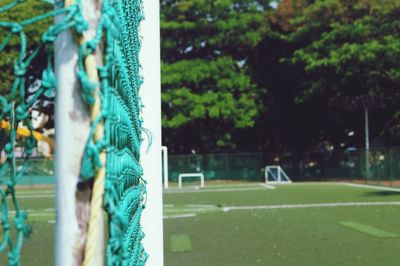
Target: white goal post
x,y
164,153
274,174
73,125
150,93
181,176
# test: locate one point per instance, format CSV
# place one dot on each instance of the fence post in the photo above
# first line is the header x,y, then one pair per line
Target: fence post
x,y
391,166
227,166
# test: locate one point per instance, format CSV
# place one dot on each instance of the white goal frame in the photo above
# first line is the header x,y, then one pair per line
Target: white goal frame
x,y
181,176
164,154
150,93
279,174
73,124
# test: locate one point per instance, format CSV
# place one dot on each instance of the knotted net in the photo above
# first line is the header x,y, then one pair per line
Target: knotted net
x,y
119,83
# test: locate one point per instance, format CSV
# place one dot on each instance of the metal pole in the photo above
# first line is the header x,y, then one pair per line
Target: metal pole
x,y
367,166
164,150
150,92
279,174
391,166
72,125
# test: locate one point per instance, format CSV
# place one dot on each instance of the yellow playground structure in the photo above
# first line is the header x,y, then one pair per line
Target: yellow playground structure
x,y
25,132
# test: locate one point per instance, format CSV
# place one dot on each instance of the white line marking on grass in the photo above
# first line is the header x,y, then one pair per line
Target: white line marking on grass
x,y
312,205
22,192
267,186
191,210
41,214
374,187
231,189
235,185
200,205
31,212
189,215
35,196
213,190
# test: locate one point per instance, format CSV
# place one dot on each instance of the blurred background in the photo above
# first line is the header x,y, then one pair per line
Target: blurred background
x,y
304,90
312,86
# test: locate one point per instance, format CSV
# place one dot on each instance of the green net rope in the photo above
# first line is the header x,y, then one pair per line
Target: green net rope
x,y
120,81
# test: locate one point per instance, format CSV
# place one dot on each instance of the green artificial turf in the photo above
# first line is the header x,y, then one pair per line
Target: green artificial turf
x,y
373,231
298,236
180,243
200,229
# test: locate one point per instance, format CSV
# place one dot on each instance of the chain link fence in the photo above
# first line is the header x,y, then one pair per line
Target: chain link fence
x,y
38,171
376,166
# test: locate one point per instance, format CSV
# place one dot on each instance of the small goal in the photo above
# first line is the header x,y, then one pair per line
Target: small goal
x,y
274,174
181,176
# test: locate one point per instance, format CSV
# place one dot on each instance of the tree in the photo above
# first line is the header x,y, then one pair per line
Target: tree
x,y
351,52
20,35
10,52
207,94
322,59
285,124
353,41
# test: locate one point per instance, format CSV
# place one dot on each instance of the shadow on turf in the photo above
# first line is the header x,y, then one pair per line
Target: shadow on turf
x,y
382,193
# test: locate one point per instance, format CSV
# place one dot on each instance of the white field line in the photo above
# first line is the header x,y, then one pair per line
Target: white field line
x,y
191,210
30,192
34,212
213,190
189,215
50,212
315,183
35,196
235,185
199,205
41,214
311,205
267,186
219,188
373,187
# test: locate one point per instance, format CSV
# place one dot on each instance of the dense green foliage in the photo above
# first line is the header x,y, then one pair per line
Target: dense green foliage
x,y
207,93
24,11
239,75
352,49
341,56
361,51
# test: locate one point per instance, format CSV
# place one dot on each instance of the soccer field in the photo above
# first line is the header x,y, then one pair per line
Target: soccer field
x,y
253,224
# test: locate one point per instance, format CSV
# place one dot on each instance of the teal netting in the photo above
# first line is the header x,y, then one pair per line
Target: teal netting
x,y
120,83
120,80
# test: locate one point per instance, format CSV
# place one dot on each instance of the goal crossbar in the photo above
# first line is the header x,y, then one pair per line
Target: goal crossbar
x,y
181,176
